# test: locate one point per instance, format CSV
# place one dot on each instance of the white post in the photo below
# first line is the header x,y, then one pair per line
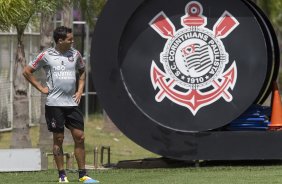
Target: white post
x,y
86,47
29,85
11,79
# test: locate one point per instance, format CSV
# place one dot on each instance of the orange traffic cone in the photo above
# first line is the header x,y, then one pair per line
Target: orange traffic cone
x,y
276,114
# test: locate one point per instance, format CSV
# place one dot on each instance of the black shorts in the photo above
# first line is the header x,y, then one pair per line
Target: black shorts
x,y
59,117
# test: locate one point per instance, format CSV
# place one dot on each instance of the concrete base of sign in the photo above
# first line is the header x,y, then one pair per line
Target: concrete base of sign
x,y
219,148
150,163
20,160
236,145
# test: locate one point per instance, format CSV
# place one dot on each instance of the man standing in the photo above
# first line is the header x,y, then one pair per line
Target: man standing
x,y
60,65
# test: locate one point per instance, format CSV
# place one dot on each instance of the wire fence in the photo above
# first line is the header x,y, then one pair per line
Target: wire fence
x,y
5,101
7,58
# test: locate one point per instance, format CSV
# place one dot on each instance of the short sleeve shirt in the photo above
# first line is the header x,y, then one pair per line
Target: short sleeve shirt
x,y
60,70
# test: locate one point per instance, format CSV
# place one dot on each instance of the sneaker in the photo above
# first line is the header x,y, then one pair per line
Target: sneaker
x,y
63,179
87,179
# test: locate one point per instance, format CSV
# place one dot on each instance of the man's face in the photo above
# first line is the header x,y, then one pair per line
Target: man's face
x,y
66,43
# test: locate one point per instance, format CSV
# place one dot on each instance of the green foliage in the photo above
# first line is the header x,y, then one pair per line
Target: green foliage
x,y
90,9
273,9
18,13
46,6
276,13
15,13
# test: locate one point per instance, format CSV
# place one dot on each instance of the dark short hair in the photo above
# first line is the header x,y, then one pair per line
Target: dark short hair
x,y
61,32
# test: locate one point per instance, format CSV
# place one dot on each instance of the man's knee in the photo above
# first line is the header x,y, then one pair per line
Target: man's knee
x,y
78,136
58,150
58,139
79,139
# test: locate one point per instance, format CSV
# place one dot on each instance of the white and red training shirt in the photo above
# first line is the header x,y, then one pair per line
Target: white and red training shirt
x,y
60,70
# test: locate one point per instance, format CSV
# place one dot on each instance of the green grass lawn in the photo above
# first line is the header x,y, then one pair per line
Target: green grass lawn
x,y
206,175
121,147
124,149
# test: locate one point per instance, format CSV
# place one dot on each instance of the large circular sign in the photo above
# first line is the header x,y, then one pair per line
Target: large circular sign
x,y
164,70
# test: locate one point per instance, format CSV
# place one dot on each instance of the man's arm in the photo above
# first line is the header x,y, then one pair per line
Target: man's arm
x,y
28,74
81,84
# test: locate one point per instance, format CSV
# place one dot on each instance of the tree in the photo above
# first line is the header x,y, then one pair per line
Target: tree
x,y
67,13
17,14
273,9
46,31
90,9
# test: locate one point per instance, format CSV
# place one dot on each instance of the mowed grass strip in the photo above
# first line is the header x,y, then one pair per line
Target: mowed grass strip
x,y
205,175
124,149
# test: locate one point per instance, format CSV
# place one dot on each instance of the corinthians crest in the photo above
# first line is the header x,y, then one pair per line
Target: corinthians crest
x,y
194,59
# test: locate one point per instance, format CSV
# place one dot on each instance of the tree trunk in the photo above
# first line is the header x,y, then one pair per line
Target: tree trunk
x,y
67,13
20,132
46,31
68,22
45,137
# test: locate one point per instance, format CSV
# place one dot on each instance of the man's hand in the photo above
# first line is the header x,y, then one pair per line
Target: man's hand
x,y
44,90
81,82
77,97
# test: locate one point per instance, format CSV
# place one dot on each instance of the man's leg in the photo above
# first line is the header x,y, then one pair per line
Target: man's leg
x,y
76,125
58,139
55,122
79,150
58,152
